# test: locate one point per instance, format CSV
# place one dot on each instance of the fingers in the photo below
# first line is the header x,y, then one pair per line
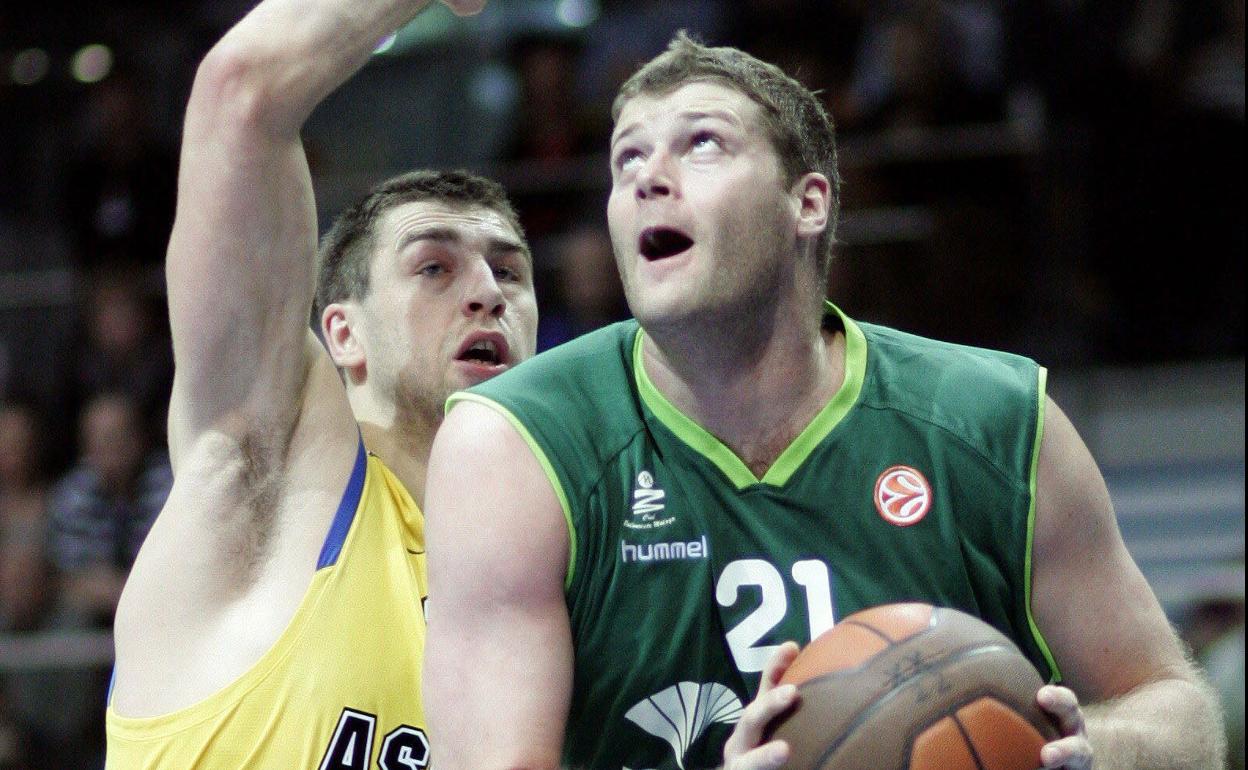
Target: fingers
x,y
1072,751
755,718
742,751
775,668
1063,705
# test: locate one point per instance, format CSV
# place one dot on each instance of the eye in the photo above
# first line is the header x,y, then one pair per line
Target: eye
x,y
704,140
626,157
432,270
506,273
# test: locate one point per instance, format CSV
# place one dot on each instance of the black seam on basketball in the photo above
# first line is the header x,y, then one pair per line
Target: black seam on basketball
x,y
865,714
891,642
966,737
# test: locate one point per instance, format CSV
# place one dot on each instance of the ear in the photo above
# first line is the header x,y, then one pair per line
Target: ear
x,y
341,340
812,196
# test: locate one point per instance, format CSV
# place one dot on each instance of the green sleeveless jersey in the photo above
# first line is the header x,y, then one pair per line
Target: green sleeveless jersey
x,y
915,483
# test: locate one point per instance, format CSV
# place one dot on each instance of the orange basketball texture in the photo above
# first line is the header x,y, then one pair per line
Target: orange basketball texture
x,y
912,686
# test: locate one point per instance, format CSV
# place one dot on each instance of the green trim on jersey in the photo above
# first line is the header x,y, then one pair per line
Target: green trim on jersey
x,y
791,459
542,460
1029,576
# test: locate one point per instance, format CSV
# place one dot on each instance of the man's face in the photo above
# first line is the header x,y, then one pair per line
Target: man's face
x,y
450,302
701,217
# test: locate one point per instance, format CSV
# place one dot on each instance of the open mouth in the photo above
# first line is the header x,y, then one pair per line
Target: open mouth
x,y
487,349
661,242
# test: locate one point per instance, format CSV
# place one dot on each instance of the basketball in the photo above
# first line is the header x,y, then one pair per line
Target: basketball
x,y
912,686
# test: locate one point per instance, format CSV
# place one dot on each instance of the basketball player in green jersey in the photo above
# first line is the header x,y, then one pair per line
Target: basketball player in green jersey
x,y
273,619
668,500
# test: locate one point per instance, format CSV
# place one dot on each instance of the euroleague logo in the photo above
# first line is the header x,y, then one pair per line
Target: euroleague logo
x,y
902,495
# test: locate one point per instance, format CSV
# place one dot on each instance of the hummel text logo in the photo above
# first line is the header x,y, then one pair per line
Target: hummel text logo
x,y
678,551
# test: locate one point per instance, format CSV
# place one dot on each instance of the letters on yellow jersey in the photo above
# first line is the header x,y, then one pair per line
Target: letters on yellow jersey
x,y
403,748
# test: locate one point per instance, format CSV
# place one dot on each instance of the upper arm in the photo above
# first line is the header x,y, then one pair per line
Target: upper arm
x,y
499,641
1101,620
240,265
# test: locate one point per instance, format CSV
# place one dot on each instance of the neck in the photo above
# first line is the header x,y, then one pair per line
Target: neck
x,y
402,441
755,390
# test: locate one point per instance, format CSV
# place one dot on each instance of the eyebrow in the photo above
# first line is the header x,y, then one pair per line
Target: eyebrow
x,y
688,116
438,234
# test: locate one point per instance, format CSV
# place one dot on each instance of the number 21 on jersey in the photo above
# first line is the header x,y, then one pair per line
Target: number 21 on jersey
x,y
743,639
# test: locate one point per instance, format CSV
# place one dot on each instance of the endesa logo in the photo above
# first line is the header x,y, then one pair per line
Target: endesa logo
x,y
902,496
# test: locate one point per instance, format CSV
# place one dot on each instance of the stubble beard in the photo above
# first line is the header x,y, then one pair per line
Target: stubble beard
x,y
419,406
721,306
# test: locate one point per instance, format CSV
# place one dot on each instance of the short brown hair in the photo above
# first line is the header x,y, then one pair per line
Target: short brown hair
x,y
800,129
345,254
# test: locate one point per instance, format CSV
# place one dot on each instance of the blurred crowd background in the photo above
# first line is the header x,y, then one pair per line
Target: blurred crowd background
x,y
1059,178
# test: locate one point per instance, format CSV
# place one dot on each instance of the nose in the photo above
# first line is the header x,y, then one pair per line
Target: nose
x,y
483,295
655,178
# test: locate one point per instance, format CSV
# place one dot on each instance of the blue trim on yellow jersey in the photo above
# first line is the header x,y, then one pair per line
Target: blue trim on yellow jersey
x,y
346,511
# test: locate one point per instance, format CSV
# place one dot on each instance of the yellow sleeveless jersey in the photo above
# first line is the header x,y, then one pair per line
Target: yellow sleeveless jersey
x,y
340,689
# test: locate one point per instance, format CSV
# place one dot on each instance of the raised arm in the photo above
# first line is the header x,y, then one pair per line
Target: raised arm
x,y
498,658
240,265
1146,705
260,428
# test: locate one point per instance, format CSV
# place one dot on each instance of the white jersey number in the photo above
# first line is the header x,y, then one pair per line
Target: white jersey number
x,y
810,574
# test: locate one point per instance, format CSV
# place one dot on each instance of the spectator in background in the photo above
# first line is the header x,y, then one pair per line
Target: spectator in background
x,y
929,62
98,514
101,510
1145,154
814,41
551,124
23,503
1172,181
550,130
126,346
123,346
589,291
120,182
24,584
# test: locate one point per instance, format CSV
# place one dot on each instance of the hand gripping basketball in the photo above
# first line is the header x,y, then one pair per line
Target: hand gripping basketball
x,y
913,687
742,750
1073,751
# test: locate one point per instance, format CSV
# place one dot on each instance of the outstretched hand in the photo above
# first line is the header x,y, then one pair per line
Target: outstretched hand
x,y
742,750
1072,751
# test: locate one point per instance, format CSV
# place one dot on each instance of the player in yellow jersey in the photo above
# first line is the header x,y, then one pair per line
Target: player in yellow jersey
x,y
273,618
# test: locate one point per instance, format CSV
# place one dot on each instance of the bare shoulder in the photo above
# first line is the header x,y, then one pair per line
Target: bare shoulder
x,y
477,434
490,498
231,554
1104,625
477,426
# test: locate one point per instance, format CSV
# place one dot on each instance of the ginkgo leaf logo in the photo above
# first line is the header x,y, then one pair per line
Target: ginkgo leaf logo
x,y
682,712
